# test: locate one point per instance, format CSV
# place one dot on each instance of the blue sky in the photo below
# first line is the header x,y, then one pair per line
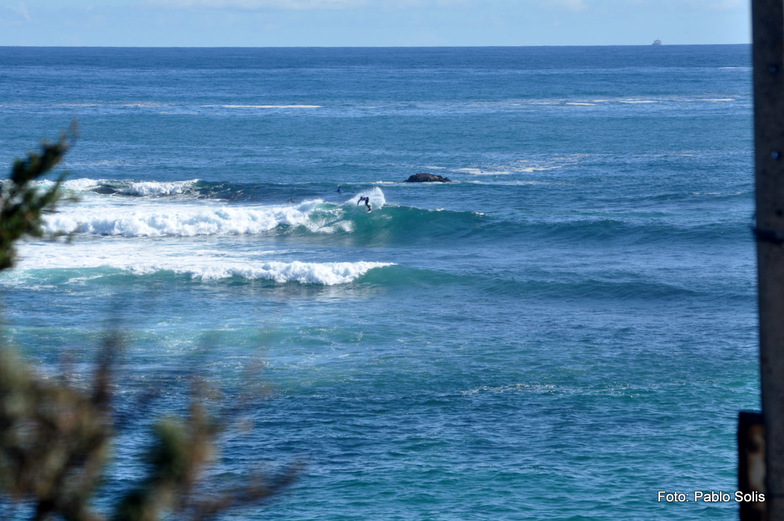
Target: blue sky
x,y
264,23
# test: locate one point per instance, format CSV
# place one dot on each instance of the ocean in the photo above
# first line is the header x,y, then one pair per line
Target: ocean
x,y
561,332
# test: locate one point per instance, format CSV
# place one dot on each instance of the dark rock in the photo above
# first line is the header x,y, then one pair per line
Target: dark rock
x,y
427,178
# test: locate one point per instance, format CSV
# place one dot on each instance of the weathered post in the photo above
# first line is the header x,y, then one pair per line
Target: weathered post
x,y
768,60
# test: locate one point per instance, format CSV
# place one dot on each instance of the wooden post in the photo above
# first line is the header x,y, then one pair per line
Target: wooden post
x,y
768,59
751,465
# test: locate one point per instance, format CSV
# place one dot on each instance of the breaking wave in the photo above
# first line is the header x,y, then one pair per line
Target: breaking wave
x,y
279,272
189,218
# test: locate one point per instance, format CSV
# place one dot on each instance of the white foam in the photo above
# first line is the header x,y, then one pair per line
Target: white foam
x,y
190,237
517,169
143,258
326,273
479,171
190,219
156,188
74,185
516,182
144,104
139,188
150,216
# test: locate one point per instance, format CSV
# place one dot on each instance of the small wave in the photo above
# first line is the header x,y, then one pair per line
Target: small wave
x,y
263,106
326,274
81,271
622,101
551,389
101,163
513,388
479,171
77,185
156,188
514,169
610,286
516,182
131,188
144,104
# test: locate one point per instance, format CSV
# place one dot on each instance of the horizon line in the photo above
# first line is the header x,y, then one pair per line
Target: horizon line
x,y
360,46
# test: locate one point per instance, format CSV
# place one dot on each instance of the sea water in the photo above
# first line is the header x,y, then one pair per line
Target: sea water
x,y
561,332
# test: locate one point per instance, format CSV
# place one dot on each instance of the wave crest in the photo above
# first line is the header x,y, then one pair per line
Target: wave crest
x,y
326,274
40,268
189,217
181,220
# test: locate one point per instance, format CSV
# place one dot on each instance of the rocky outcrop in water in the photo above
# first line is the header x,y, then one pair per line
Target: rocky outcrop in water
x,y
427,178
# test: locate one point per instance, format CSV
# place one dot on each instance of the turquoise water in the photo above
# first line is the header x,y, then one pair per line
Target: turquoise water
x,y
561,332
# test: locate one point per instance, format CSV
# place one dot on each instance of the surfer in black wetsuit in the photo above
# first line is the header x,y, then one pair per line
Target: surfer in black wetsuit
x,y
367,202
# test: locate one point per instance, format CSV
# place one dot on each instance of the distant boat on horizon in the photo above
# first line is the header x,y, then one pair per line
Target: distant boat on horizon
x,y
656,42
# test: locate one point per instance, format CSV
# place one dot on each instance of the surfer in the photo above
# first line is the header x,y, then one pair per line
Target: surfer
x,y
367,202
339,190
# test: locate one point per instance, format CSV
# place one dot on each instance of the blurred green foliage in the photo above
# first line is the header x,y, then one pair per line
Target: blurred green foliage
x,y
23,203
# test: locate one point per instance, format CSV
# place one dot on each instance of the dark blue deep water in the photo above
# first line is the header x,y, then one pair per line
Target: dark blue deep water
x,y
565,329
